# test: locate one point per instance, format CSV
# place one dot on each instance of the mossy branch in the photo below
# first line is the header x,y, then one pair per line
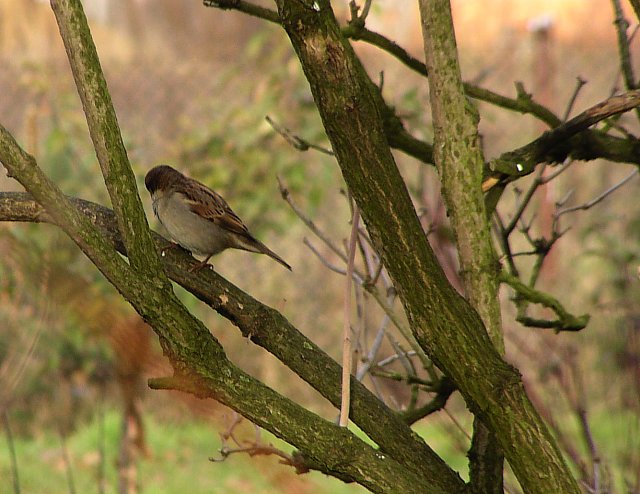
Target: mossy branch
x,y
460,162
444,323
200,360
263,325
105,134
548,147
565,322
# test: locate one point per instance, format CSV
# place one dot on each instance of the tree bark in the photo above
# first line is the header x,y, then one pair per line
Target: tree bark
x,y
449,330
460,163
269,329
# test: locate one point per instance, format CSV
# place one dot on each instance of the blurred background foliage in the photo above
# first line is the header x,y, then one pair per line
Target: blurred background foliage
x,y
192,87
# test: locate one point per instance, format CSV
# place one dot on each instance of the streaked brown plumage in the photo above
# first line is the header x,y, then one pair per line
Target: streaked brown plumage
x,y
198,218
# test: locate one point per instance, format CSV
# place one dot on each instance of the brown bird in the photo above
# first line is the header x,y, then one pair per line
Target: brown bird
x,y
198,218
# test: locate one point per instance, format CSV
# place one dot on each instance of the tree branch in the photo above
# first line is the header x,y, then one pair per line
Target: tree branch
x,y
265,327
460,162
565,321
445,325
549,146
106,137
623,45
524,103
245,7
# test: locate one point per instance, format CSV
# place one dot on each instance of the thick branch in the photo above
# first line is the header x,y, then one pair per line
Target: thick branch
x,y
459,160
106,137
554,145
265,327
202,362
444,323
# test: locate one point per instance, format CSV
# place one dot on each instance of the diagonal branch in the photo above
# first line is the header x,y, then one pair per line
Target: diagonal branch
x,y
522,161
446,326
245,7
265,327
524,103
203,369
106,137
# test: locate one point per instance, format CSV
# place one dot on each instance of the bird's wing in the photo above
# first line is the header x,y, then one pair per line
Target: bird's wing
x,y
211,206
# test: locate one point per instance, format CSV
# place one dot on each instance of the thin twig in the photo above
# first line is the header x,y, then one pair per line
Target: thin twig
x,y
519,104
566,164
255,447
284,191
296,141
526,200
246,7
347,357
599,198
392,358
373,351
327,264
580,82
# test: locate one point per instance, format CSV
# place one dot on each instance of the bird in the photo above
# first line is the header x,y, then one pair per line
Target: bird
x,y
197,218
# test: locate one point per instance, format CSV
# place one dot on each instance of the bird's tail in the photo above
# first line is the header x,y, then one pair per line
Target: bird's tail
x,y
256,246
266,250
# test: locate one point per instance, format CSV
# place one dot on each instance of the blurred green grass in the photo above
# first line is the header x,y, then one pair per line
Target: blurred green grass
x,y
178,462
179,458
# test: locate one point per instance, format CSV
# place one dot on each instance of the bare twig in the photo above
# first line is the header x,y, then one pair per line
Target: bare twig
x,y
566,164
356,19
246,7
580,82
519,104
601,197
347,357
255,447
386,307
286,195
373,351
525,200
297,142
392,358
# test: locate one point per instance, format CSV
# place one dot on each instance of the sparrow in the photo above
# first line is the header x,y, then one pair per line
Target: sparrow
x,y
198,218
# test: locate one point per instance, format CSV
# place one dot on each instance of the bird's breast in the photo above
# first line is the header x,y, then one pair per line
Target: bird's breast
x,y
187,228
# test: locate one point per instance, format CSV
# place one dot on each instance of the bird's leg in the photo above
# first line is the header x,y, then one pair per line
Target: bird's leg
x,y
201,265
